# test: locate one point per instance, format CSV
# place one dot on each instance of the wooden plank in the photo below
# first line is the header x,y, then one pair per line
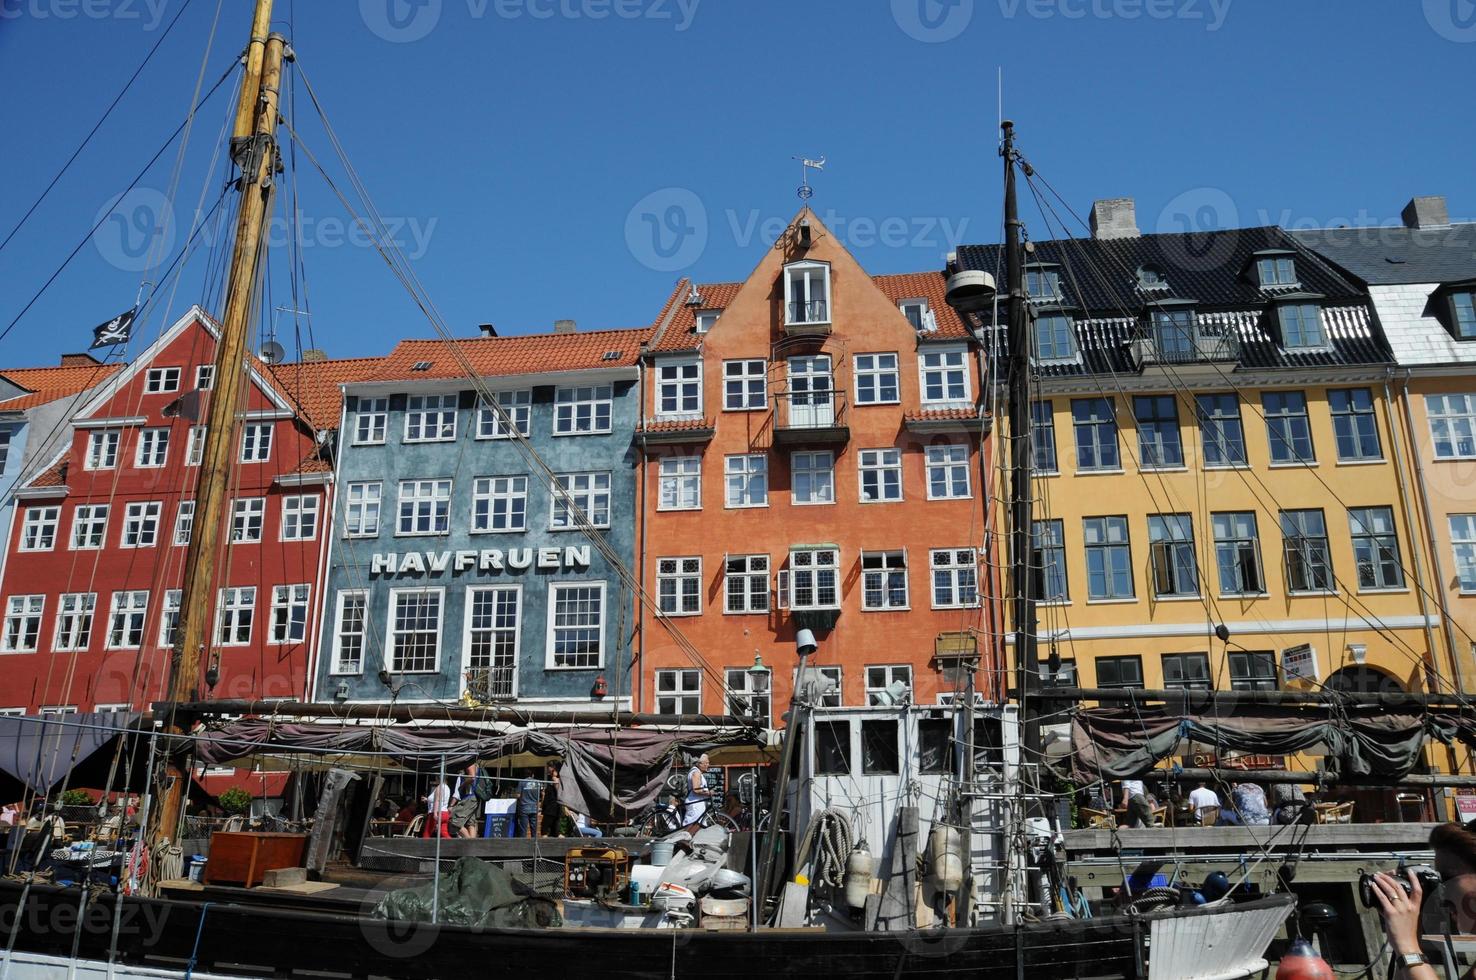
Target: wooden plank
x,y
1365,836
897,898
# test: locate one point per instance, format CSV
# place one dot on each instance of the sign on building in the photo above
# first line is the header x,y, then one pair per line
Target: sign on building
x,y
1299,663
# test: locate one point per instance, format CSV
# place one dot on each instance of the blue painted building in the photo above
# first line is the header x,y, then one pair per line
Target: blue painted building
x,y
456,568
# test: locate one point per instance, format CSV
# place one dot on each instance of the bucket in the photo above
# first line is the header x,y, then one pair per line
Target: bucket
x,y
661,852
197,868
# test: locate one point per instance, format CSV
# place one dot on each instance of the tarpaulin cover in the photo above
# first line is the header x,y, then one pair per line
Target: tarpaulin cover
x,y
473,893
39,752
1359,741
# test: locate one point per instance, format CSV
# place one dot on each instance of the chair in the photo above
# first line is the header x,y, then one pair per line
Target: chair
x,y
413,830
1339,813
1160,815
1098,819
1209,816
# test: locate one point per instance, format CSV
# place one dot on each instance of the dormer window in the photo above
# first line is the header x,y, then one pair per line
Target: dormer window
x,y
1042,282
1151,277
1276,270
1463,314
1174,332
704,319
806,293
1054,338
914,310
1301,326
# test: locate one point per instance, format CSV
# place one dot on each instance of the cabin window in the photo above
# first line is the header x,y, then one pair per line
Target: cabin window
x,y
833,748
888,683
828,686
935,745
879,752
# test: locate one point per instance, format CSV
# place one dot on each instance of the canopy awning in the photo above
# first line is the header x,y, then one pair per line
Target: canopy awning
x,y
39,752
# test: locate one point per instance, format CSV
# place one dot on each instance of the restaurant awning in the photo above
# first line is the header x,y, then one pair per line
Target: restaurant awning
x,y
38,752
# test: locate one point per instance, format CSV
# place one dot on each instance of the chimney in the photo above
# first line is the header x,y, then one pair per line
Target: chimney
x,y
79,360
313,354
1425,212
487,329
1115,217
565,326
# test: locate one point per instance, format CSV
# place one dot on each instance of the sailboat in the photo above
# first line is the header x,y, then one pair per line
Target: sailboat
x,y
989,902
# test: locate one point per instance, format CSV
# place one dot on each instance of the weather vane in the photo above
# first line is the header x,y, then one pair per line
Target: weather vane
x,y
806,165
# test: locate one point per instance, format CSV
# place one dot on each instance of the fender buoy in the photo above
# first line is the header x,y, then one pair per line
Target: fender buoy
x,y
1301,962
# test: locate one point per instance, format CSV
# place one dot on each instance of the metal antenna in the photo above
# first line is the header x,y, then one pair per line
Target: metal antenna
x,y
805,191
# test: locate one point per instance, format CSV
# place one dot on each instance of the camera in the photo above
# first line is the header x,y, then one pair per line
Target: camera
x,y
1426,875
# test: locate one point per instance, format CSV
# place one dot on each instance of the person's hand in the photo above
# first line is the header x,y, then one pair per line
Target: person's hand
x,y
1401,912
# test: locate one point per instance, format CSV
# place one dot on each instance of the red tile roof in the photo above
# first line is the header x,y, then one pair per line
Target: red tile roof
x,y
507,356
676,327
944,415
312,386
679,425
930,286
51,383
53,476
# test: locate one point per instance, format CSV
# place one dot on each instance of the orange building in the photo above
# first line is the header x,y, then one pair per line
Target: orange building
x,y
813,455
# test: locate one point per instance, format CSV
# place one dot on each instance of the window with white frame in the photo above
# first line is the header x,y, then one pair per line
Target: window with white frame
x,y
430,418
812,478
169,618
500,504
589,492
102,449
126,614
877,381
361,509
415,630
679,586
883,580
916,311
159,381
300,517
89,526
256,442
153,448
880,677
22,623
38,528
948,471
1463,541
141,525
679,692
195,446
812,580
745,385
7,433
350,631
746,584
830,688
945,375
184,522
703,320
234,616
289,613
881,475
1452,425
746,479
748,694
679,388
681,483
518,408
576,625
74,612
371,420
806,293
583,410
204,377
425,507
246,517
955,577
492,636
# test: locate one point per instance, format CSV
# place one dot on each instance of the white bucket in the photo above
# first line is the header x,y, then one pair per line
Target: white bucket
x,y
661,852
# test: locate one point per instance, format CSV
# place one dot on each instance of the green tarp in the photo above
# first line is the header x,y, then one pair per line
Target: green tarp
x,y
473,893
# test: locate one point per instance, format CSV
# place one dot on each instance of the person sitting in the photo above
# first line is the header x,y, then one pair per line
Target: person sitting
x,y
585,828
1289,801
1137,803
1249,802
1455,861
1202,799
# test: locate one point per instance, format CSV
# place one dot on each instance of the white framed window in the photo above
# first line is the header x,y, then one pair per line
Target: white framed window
x,y
583,410
703,320
350,631
153,448
955,577
877,381
748,694
944,373
519,408
38,528
831,692
681,483
679,586
812,478
679,692
884,580
812,580
1452,425
493,632
746,479
300,517
880,677
22,623
141,525
195,446
57,710
256,442
74,612
745,385
1463,541
806,293
500,504
184,522
916,311
679,388
425,507
169,618
881,475
102,449
246,518
205,376
361,509
948,471
162,380
576,625
430,418
371,421
289,613
590,492
89,526
746,584
234,615
126,613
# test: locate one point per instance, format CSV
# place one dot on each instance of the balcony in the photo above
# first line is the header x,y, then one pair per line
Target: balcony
x,y
807,318
487,685
1169,346
811,417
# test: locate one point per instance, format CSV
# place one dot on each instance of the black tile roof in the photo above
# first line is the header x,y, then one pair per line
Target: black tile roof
x,y
1385,256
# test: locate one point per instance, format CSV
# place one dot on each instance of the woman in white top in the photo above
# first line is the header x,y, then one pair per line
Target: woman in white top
x,y
694,807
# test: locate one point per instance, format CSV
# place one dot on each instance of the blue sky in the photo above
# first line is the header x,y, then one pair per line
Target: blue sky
x,y
542,159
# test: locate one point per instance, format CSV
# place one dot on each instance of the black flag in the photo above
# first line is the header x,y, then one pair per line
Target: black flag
x,y
115,331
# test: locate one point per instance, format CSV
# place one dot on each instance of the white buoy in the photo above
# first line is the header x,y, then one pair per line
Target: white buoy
x,y
946,844
860,873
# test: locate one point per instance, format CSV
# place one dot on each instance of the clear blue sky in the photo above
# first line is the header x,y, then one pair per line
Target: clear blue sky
x,y
563,158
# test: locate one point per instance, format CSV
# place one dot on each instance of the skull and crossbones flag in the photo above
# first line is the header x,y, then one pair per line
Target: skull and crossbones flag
x,y
115,331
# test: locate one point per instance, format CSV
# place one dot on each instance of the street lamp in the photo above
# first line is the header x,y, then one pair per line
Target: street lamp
x,y
758,680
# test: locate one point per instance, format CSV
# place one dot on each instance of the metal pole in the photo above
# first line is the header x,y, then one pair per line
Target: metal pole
x,y
430,712
435,800
753,830
781,785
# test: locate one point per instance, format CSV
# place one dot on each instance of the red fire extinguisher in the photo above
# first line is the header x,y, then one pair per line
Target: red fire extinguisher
x,y
1301,962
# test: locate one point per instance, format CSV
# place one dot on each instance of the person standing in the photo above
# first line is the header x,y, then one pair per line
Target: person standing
x,y
437,810
530,793
694,807
1137,803
466,807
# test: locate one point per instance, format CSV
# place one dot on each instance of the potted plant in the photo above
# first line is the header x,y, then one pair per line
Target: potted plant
x,y
235,801
76,805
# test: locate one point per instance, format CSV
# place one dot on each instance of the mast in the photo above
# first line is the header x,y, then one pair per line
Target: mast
x,y
254,149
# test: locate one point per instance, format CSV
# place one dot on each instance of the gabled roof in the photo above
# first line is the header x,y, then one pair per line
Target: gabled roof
x,y
545,353
48,384
1387,256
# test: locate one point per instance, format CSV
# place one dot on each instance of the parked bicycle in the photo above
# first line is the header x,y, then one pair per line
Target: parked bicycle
x,y
666,817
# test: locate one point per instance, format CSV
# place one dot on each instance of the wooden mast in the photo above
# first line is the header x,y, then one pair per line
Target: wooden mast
x,y
254,149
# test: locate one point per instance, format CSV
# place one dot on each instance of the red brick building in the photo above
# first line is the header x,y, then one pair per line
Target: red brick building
x,y
96,552
814,455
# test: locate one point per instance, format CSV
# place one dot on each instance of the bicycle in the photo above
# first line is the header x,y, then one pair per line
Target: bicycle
x,y
667,818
